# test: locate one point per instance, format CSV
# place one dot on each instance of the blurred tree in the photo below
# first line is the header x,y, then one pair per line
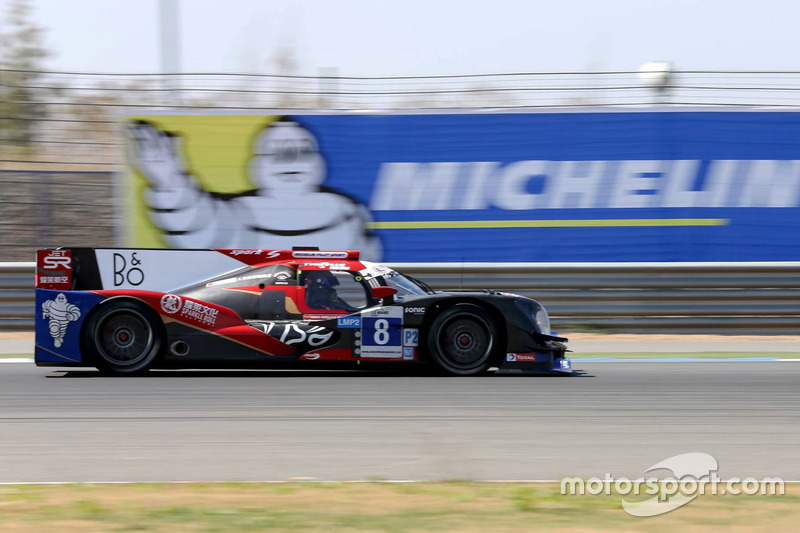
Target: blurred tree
x,y
293,92
473,96
22,53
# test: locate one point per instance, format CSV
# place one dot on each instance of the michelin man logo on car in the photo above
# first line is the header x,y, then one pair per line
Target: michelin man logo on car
x,y
61,313
289,206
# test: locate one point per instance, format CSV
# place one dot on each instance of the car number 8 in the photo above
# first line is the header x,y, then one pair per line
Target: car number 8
x,y
381,331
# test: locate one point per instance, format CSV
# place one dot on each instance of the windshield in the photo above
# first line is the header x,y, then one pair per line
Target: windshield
x,y
404,285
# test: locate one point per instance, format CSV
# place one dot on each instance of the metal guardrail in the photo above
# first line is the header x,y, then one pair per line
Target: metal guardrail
x,y
16,296
725,298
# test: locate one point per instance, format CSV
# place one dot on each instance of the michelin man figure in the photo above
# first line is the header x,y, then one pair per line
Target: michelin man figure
x,y
289,206
61,313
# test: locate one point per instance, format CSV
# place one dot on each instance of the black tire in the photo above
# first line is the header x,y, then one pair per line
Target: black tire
x,y
123,337
463,340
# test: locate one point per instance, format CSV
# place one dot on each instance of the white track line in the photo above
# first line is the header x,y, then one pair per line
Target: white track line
x,y
13,360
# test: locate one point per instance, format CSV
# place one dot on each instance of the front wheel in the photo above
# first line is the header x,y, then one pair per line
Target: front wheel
x,y
123,337
463,340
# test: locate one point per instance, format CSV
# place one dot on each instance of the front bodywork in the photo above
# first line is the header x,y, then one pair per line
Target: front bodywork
x,y
257,312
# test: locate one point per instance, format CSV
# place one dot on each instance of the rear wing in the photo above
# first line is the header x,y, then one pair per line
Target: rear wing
x,y
152,269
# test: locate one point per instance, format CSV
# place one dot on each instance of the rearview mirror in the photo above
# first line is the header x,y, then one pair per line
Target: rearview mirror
x,y
383,292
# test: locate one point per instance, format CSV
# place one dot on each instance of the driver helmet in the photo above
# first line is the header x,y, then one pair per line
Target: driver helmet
x,y
320,288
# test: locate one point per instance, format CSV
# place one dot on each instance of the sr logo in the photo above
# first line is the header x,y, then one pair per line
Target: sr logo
x,y
127,270
55,260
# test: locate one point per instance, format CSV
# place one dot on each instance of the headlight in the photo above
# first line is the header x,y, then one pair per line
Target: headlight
x,y
535,314
543,321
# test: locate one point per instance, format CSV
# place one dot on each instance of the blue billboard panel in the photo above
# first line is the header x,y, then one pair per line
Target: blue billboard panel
x,y
540,187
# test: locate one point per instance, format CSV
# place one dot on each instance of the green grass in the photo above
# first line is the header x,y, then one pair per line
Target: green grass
x,y
366,507
16,355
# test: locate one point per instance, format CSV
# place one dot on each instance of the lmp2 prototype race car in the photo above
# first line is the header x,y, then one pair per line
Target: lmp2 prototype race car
x,y
127,310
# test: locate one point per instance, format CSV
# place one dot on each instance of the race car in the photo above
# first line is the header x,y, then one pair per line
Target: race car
x,y
127,310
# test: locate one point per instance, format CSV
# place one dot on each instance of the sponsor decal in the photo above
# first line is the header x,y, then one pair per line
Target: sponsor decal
x,y
304,335
54,282
160,270
253,256
252,276
282,278
202,313
221,282
228,281
381,333
59,318
252,252
415,310
310,356
171,303
408,354
126,270
54,269
575,184
314,317
61,313
349,322
374,270
519,357
329,266
319,255
410,337
316,336
57,260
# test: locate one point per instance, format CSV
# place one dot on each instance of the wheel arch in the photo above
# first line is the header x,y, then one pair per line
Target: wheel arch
x,y
87,323
440,306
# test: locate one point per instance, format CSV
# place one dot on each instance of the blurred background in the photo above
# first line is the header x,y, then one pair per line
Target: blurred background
x,y
633,165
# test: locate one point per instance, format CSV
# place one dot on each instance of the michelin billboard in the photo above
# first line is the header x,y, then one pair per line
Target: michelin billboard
x,y
541,187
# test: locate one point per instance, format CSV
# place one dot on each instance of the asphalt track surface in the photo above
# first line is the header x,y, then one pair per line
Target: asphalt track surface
x,y
276,425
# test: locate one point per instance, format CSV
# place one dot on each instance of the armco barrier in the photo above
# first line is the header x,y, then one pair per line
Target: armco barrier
x,y
16,296
726,298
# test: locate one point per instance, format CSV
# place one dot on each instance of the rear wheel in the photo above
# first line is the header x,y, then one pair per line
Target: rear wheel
x,y
463,340
124,337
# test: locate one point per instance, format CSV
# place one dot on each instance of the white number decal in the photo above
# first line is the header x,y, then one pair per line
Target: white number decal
x,y
381,331
411,337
